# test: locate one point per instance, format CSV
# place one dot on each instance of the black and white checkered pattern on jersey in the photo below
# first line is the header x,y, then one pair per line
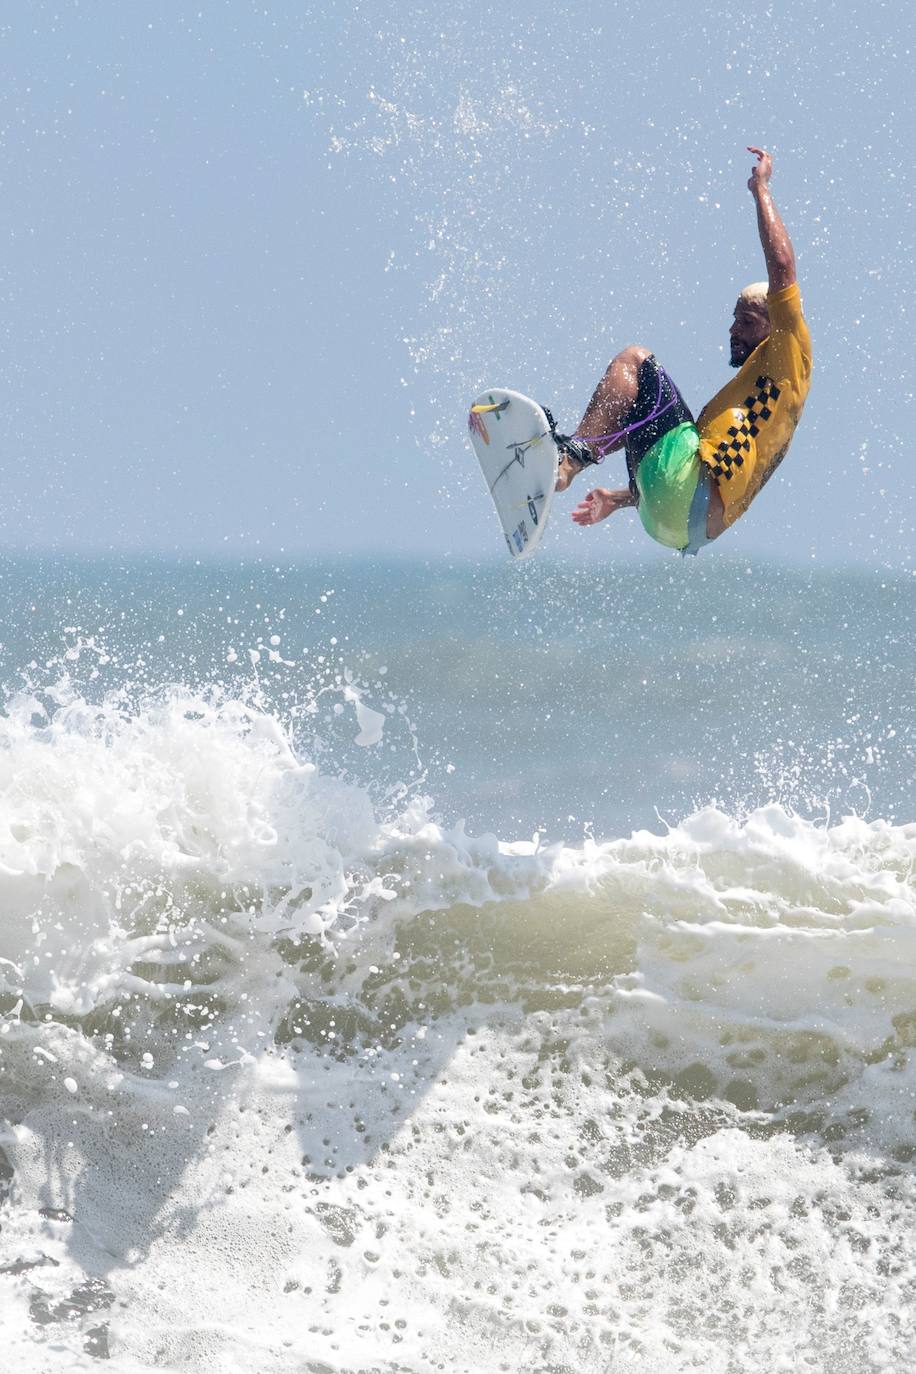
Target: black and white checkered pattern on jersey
x,y
757,409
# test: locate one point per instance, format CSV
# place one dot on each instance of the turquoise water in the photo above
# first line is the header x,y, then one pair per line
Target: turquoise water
x,y
539,697
456,968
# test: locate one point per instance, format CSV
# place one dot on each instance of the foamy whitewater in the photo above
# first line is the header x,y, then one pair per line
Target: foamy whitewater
x,y
299,1071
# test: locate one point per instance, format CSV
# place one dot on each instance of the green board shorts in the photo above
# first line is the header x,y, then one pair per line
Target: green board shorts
x,y
674,490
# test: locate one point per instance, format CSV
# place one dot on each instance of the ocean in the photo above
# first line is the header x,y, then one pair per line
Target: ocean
x,y
456,967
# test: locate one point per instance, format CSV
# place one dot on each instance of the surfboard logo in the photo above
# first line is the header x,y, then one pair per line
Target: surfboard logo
x,y
477,426
518,456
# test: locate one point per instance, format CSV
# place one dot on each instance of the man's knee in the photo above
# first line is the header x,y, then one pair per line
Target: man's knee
x,y
634,355
622,376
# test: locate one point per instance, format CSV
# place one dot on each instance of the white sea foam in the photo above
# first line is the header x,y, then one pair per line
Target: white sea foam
x,y
292,1087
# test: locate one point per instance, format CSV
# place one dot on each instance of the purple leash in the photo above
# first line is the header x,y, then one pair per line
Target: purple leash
x,y
605,442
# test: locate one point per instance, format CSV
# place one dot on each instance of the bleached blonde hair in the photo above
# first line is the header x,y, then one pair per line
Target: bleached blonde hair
x,y
755,294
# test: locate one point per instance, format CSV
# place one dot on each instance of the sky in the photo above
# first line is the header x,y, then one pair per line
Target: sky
x,y
258,258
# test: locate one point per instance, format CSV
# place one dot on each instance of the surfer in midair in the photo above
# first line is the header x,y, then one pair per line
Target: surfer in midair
x,y
690,480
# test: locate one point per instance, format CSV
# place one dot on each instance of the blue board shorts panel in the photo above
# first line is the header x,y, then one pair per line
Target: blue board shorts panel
x,y
699,509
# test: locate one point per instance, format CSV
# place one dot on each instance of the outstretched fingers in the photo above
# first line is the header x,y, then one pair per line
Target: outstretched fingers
x,y
594,508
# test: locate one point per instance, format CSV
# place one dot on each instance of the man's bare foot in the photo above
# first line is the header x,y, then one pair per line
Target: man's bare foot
x,y
574,455
567,470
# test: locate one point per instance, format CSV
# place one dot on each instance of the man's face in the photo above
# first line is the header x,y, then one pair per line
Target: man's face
x,y
750,327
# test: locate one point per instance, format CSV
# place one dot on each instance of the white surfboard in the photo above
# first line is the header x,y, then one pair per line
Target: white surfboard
x,y
518,456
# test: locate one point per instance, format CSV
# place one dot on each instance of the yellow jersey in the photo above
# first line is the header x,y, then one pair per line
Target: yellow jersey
x,y
748,425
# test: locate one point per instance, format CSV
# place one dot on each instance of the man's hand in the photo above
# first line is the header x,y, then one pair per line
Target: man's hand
x,y
599,504
760,175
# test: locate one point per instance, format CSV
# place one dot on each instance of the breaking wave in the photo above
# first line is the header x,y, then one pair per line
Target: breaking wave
x,y
440,1101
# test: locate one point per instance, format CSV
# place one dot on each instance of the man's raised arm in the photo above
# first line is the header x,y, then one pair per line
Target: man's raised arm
x,y
777,246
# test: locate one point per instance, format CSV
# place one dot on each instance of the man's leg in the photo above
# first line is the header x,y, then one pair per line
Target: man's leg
x,y
715,516
614,398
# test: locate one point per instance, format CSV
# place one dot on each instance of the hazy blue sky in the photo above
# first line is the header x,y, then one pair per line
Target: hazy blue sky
x,y
257,258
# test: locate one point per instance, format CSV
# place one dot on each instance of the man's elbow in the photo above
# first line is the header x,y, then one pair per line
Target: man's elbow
x,y
782,271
